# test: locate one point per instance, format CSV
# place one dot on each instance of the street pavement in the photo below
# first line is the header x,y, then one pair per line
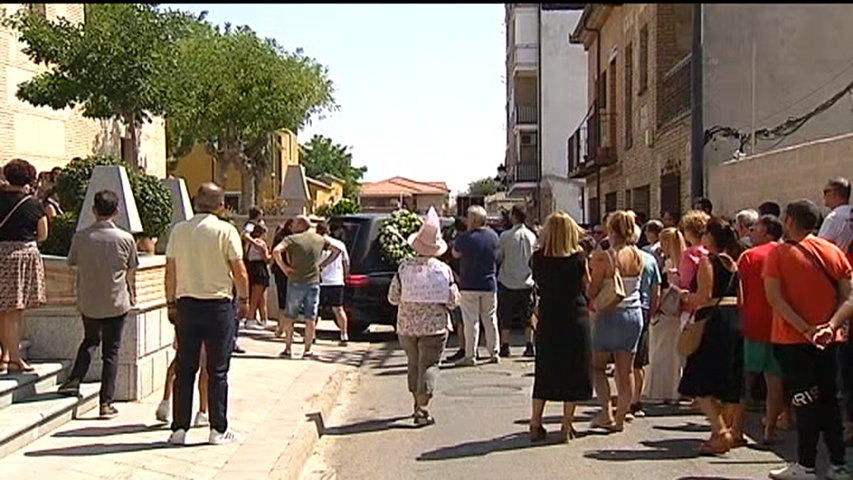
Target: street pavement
x,y
481,433
275,404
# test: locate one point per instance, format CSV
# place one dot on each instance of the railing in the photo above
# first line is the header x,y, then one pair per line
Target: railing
x,y
525,172
593,143
526,113
675,92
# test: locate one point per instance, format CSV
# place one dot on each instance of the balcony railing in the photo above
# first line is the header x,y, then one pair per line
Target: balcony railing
x,y
592,145
675,92
525,172
526,114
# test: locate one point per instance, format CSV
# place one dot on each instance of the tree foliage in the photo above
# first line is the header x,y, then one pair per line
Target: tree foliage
x,y
483,187
321,155
115,65
232,90
344,206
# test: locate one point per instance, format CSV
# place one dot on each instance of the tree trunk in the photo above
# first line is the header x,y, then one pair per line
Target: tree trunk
x,y
132,124
248,192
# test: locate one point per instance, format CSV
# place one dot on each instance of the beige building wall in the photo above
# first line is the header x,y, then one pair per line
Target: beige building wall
x,y
49,138
783,175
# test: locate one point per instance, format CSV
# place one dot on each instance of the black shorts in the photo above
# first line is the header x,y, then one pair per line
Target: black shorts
x,y
332,296
641,358
514,307
259,273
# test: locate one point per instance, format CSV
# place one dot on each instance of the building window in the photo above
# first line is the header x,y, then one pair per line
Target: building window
x,y
232,201
594,207
602,90
38,8
612,112
629,96
644,60
610,202
642,200
670,194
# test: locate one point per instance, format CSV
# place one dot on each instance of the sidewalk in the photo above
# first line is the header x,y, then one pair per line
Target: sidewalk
x,y
275,404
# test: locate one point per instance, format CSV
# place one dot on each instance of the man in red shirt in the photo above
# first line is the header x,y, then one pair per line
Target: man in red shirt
x,y
805,279
758,319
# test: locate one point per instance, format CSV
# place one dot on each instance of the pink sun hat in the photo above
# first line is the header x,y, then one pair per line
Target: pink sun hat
x,y
427,241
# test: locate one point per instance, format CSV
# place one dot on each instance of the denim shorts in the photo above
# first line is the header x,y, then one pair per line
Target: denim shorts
x,y
303,300
618,330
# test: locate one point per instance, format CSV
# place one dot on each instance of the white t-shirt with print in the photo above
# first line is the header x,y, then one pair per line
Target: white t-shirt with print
x,y
333,274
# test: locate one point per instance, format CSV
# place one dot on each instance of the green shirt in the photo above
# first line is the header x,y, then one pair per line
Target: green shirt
x,y
304,253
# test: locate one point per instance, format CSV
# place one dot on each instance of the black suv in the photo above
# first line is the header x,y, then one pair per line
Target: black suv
x,y
366,291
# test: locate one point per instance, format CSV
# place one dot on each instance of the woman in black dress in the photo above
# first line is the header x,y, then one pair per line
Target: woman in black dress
x,y
563,351
714,374
281,232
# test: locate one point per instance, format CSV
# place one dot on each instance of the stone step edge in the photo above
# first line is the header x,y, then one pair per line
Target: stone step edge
x,y
46,370
28,426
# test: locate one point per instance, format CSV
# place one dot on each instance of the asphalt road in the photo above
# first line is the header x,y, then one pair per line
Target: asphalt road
x,y
481,433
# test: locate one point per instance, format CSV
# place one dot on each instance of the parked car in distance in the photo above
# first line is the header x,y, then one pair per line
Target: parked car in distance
x,y
366,290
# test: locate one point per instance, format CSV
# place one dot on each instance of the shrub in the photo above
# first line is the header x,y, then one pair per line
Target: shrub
x,y
344,206
394,233
153,201
60,232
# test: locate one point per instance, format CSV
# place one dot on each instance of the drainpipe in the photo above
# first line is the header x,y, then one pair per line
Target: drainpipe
x,y
539,108
697,126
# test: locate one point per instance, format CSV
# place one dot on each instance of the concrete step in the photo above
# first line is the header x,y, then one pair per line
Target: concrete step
x,y
16,387
25,421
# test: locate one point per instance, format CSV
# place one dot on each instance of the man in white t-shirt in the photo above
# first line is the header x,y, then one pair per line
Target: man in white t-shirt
x,y
838,225
332,281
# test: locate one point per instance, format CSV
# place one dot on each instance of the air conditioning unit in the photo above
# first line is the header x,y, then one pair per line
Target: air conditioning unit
x,y
650,138
528,139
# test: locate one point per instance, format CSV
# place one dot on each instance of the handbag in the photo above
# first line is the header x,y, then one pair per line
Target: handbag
x,y
691,336
670,302
612,289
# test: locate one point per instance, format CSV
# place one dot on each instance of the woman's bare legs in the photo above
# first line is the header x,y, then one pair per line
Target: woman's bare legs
x,y
624,385
262,306
170,380
203,390
256,296
10,329
536,415
568,418
602,388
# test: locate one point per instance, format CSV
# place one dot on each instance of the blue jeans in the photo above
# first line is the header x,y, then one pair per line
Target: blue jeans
x,y
208,322
303,300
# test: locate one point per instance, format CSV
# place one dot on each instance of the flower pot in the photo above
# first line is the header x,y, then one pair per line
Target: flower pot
x,y
147,245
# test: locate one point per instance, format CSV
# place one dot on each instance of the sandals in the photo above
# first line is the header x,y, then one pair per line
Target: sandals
x,y
423,418
718,444
567,434
537,433
20,367
610,426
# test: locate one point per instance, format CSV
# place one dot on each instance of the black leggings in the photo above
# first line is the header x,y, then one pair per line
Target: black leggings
x,y
810,377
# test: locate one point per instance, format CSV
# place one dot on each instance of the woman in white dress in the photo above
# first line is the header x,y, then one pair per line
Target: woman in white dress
x,y
664,361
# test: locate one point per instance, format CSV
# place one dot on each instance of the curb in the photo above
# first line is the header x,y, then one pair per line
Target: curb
x,y
290,464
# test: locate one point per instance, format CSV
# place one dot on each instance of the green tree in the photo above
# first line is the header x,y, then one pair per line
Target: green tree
x,y
112,66
484,186
232,91
344,206
321,155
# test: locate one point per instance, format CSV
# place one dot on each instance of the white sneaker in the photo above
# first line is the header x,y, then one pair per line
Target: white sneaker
x,y
494,359
228,436
201,420
793,471
164,411
466,362
178,438
838,472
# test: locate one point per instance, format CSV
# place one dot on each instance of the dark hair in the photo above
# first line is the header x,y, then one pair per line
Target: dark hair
x,y
282,231
653,226
519,213
804,213
322,228
258,230
770,208
19,172
841,186
724,236
255,212
704,204
773,226
459,225
106,203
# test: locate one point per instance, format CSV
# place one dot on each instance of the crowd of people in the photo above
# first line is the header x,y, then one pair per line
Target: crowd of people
x,y
695,308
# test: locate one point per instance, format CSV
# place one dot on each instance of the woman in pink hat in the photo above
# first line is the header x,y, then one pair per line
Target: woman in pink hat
x,y
425,293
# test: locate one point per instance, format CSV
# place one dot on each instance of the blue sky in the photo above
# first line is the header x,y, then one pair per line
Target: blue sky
x,y
420,86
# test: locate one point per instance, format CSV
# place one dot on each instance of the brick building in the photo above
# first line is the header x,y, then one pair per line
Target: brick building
x,y
50,138
633,147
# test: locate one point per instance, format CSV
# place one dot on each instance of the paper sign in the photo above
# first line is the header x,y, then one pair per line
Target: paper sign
x,y
425,284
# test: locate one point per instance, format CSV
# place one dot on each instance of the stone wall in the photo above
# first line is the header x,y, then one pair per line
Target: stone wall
x,y
781,175
55,330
